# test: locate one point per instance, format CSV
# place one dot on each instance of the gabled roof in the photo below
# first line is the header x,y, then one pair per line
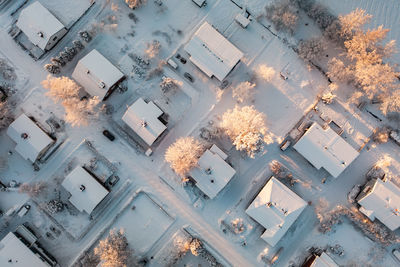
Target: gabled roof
x,y
30,139
14,253
325,148
383,203
38,24
212,52
96,74
91,195
324,261
212,173
276,208
142,118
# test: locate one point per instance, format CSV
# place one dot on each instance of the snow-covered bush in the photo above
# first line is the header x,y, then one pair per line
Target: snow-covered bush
x,y
6,116
196,247
54,206
327,98
135,3
246,127
168,84
311,49
33,189
51,68
114,251
184,154
58,61
78,44
284,15
243,91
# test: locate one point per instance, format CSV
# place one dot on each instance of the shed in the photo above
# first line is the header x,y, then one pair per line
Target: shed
x,y
32,142
211,52
325,148
41,27
276,208
213,173
86,192
97,75
143,119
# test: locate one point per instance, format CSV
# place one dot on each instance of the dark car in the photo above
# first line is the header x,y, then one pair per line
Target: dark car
x,y
109,135
189,77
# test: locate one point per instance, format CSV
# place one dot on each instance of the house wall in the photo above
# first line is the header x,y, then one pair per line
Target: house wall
x,y
59,36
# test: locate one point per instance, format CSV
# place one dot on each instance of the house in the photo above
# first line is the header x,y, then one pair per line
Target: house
x,y
97,75
143,119
212,53
320,261
213,173
41,27
325,148
15,253
276,208
381,200
32,142
86,192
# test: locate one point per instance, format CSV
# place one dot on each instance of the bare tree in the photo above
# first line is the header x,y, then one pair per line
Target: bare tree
x,y
33,189
114,251
243,91
6,116
311,49
168,84
135,3
184,154
284,15
247,129
152,49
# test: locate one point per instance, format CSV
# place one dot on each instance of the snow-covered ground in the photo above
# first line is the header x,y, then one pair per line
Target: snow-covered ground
x,y
163,207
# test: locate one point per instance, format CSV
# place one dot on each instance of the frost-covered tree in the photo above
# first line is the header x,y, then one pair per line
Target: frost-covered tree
x,y
311,49
184,154
6,116
243,91
247,129
321,15
196,247
266,73
33,189
391,102
284,15
168,84
135,3
353,22
114,251
60,88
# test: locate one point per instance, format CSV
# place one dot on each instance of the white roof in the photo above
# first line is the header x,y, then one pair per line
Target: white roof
x,y
90,197
276,208
37,140
96,74
212,173
212,52
11,248
383,203
325,148
142,118
324,261
35,19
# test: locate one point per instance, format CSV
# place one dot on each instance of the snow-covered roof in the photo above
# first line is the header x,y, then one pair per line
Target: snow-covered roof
x,y
325,148
142,118
383,203
14,253
38,24
276,208
86,192
96,74
212,52
212,173
324,261
30,139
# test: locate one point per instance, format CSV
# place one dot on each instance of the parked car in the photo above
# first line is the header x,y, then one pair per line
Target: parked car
x,y
188,76
109,135
113,180
24,210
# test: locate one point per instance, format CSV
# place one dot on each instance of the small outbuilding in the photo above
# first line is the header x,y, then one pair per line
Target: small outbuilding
x,y
325,148
213,173
381,200
32,142
276,208
41,27
15,253
212,53
320,261
144,119
86,192
97,75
